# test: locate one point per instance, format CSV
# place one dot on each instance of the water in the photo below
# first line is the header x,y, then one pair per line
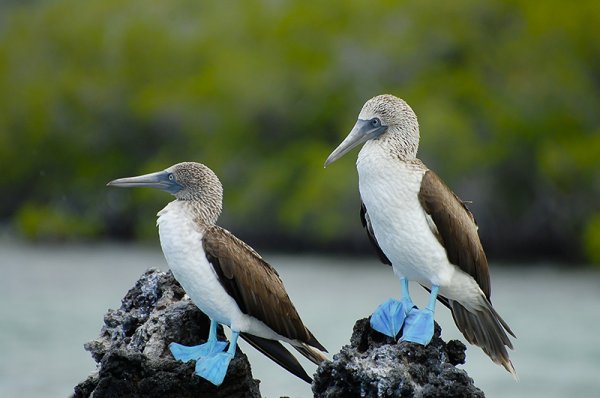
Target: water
x,y
53,300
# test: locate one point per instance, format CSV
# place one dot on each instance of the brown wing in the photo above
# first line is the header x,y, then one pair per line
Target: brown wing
x,y
455,228
254,285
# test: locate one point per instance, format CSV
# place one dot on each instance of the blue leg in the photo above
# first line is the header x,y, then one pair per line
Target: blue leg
x,y
418,325
214,368
210,348
389,317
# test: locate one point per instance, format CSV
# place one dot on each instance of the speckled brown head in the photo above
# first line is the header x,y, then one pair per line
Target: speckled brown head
x,y
187,181
386,118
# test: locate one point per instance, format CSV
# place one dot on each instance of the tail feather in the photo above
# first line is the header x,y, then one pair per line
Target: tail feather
x,y
486,329
312,341
311,353
279,354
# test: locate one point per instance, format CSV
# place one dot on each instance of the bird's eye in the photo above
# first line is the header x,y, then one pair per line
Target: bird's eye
x,y
375,122
171,177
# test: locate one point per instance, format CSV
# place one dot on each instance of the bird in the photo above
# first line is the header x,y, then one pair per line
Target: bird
x,y
423,230
223,276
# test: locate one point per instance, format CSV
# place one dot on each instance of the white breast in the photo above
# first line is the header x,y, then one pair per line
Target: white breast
x,y
389,189
181,242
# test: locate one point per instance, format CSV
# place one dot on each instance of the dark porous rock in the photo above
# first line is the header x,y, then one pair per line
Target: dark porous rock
x,y
133,355
374,365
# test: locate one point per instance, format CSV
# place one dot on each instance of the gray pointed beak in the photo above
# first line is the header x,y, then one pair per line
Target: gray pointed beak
x,y
163,180
361,133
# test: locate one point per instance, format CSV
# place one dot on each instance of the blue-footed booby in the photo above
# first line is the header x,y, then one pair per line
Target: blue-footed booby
x,y
223,276
423,230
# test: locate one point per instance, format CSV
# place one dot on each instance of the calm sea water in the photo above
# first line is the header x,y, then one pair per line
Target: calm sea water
x,y
52,300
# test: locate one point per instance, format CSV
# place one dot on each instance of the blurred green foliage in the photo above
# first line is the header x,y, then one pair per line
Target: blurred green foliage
x,y
507,94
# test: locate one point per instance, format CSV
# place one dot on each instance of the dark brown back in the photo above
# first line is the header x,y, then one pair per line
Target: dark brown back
x,y
456,229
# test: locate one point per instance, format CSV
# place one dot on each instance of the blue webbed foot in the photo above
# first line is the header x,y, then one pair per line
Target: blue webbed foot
x,y
418,326
184,353
389,317
214,368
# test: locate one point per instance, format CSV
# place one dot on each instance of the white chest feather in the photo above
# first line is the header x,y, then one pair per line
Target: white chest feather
x,y
389,188
181,241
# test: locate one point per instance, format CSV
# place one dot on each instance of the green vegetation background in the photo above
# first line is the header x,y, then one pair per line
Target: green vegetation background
x,y
507,94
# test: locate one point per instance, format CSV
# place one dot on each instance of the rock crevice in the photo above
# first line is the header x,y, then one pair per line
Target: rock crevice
x,y
132,352
374,365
